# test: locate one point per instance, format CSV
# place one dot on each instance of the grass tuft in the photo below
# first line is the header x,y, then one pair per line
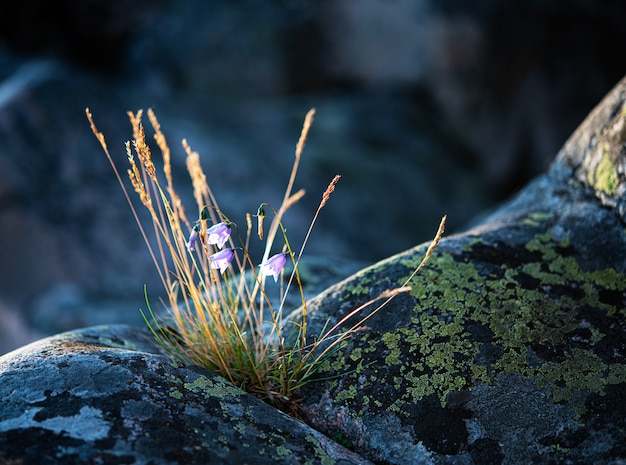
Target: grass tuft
x,y
219,313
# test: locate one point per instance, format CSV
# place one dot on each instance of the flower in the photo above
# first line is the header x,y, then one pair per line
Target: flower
x,y
222,259
218,234
193,239
274,265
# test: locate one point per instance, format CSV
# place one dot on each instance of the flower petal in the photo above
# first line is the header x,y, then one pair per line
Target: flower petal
x,y
193,239
222,259
274,265
218,234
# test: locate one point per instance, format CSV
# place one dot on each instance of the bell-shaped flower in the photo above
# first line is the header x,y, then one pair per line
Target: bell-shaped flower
x,y
193,239
274,265
218,234
222,259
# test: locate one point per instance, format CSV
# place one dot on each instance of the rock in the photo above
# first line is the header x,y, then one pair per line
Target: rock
x,y
509,349
106,395
511,346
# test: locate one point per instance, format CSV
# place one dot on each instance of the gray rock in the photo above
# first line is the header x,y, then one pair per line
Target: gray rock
x,y
511,346
106,395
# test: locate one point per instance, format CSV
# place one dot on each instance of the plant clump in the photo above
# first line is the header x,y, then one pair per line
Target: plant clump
x,y
219,313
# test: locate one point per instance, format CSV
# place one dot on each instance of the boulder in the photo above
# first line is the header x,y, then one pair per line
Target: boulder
x,y
106,395
511,346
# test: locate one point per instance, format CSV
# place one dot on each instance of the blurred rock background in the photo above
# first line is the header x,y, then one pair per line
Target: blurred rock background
x,y
425,107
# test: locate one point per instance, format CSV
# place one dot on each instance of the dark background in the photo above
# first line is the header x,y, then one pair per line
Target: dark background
x,y
425,107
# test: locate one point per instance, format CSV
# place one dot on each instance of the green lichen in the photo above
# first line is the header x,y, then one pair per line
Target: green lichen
x,y
604,176
203,385
476,319
349,393
534,219
241,432
360,286
240,428
356,354
582,370
176,394
320,454
118,343
282,451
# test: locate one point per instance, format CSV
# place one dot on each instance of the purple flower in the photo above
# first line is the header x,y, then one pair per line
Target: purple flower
x,y
274,265
218,234
193,239
222,259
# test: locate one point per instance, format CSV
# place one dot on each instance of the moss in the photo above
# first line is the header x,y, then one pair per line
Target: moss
x,y
476,317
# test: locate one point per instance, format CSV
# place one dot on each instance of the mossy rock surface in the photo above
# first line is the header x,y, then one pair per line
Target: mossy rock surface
x,y
105,395
511,346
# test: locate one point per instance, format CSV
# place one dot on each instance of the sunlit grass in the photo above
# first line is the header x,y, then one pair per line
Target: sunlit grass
x,y
219,313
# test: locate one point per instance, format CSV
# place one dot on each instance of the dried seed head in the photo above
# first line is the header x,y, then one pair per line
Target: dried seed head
x,y
144,154
308,121
329,190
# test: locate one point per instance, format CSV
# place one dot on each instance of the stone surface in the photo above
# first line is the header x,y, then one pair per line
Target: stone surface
x,y
511,347
106,395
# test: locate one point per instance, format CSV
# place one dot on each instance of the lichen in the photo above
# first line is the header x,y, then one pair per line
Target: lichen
x,y
534,219
604,177
320,453
209,388
476,318
360,286
176,394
